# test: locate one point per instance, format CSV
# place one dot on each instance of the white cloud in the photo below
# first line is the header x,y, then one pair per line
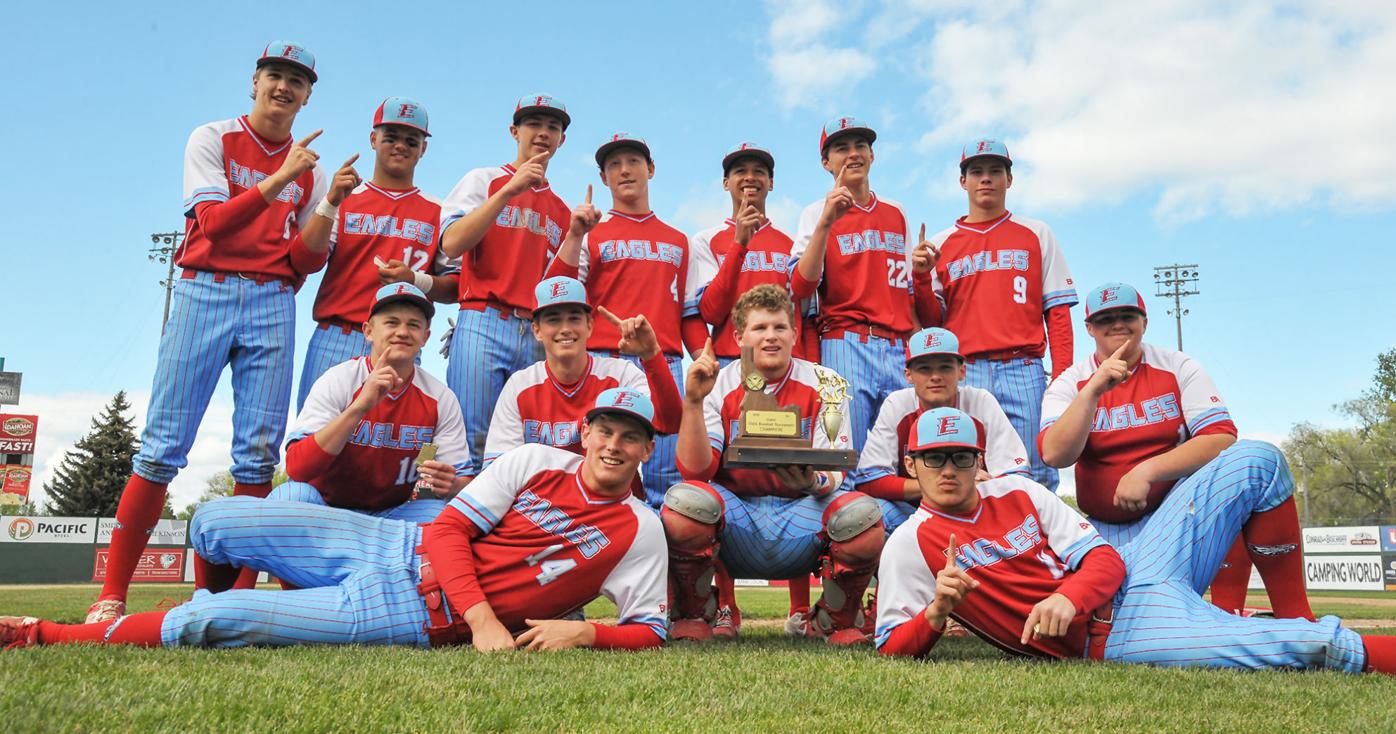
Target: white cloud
x,y
808,70
66,417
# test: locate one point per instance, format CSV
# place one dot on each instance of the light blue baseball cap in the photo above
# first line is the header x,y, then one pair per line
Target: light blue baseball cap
x,y
559,291
622,140
541,104
945,428
289,52
933,341
402,293
984,147
749,150
841,126
627,402
402,111
1113,296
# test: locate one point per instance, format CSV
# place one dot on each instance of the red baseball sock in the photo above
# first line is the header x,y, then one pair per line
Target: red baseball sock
x,y
136,513
799,594
1381,653
136,629
1272,538
247,579
1229,586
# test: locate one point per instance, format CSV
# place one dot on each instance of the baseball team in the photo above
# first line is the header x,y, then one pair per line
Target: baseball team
x,y
569,455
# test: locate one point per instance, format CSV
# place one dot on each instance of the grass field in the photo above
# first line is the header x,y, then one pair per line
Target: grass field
x,y
764,682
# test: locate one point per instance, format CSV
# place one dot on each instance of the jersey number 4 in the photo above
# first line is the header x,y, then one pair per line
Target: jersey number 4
x,y
548,571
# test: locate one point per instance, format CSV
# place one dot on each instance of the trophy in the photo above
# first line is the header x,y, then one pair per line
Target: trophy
x,y
768,435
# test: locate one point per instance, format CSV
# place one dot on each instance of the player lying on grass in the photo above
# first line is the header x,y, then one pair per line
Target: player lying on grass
x,y
1139,421
359,441
539,534
765,523
935,368
1022,570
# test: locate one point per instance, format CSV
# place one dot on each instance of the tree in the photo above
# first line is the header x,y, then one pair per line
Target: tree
x,y
1349,474
89,480
221,485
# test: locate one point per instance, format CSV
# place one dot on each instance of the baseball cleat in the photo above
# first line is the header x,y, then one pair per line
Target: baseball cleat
x,y
105,610
725,626
848,636
690,630
795,624
17,632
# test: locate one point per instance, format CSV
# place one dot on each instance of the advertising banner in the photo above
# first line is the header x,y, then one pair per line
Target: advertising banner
x,y
1361,539
1388,568
1388,538
1344,573
17,433
165,532
154,565
31,530
14,483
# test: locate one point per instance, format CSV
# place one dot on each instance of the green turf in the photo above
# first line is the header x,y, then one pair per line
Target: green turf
x,y
764,682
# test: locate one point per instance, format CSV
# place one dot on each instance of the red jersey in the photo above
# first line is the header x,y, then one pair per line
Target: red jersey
x,y
1021,543
1167,399
722,411
506,265
374,223
867,267
227,158
713,290
548,545
886,445
375,470
996,279
634,265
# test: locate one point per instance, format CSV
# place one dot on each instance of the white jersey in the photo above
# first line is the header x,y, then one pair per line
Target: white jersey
x,y
886,445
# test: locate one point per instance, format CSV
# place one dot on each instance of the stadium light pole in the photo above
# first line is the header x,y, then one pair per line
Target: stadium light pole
x,y
1176,282
163,252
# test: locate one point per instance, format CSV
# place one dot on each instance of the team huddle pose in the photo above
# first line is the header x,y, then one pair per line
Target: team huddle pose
x,y
568,455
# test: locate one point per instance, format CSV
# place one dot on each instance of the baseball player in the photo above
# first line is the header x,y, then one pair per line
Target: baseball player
x,y
632,263
934,367
1139,422
541,404
745,251
357,442
765,523
1021,569
539,534
385,232
249,189
505,223
998,277
866,310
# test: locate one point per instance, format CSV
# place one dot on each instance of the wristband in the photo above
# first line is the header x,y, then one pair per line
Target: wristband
x,y
327,210
423,281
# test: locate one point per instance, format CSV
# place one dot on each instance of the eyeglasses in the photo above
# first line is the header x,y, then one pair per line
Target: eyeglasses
x,y
962,459
1107,319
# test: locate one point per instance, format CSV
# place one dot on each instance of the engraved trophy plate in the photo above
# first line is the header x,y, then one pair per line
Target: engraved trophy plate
x,y
423,488
768,434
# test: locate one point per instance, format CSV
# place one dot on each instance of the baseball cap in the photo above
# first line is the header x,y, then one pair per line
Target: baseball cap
x,y
559,291
622,140
931,342
1111,297
402,111
541,103
402,293
289,52
944,428
627,402
749,150
841,126
985,147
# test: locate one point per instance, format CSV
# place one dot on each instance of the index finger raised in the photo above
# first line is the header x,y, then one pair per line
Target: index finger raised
x,y
588,199
922,236
950,553
351,160
615,320
306,140
1119,353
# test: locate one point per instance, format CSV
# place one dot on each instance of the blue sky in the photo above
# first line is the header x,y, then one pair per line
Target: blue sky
x,y
1255,142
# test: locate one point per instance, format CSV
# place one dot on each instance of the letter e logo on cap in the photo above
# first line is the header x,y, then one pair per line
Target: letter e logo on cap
x,y
1109,294
948,425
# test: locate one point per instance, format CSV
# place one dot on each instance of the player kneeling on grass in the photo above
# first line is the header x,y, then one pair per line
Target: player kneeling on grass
x,y
764,523
366,422
1018,567
539,534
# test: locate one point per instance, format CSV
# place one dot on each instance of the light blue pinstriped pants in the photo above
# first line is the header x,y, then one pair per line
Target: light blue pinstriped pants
x,y
1018,384
662,470
1161,618
413,511
328,347
358,577
772,537
874,368
486,348
212,325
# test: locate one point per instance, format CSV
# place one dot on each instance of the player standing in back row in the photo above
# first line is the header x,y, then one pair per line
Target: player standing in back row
x,y
506,224
250,188
998,278
851,248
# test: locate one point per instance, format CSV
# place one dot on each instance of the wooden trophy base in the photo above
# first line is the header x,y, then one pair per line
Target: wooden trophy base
x,y
753,452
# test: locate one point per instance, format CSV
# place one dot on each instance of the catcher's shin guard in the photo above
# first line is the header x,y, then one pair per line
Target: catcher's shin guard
x,y
692,516
853,527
